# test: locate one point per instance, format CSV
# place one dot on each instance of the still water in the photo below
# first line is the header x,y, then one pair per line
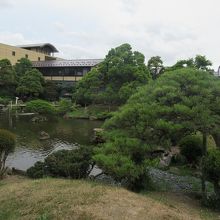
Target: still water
x,y
64,134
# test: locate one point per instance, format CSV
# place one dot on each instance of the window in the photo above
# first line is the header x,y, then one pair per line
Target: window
x,y
26,56
13,53
38,58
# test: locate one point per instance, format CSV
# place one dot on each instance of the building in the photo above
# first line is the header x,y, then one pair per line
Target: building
x,y
66,70
52,68
33,52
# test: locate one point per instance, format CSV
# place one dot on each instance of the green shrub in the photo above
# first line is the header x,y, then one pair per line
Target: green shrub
x,y
211,171
191,148
64,106
4,101
51,91
64,163
41,107
36,171
126,160
7,145
178,159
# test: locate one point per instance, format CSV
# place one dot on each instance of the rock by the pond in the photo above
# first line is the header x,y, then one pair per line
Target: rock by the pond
x,y
44,135
37,119
92,118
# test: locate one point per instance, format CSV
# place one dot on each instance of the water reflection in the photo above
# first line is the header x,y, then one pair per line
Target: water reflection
x,y
64,134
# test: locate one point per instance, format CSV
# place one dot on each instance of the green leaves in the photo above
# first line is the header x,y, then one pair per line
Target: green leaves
x,y
178,103
115,79
31,84
124,158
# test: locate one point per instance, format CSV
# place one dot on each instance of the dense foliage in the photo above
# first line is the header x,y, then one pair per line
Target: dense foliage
x,y
211,170
115,79
155,66
64,163
24,81
126,159
64,106
30,84
160,114
51,91
191,148
7,145
7,78
41,107
199,62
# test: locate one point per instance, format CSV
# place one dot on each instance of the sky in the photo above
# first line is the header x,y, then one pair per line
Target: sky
x,y
172,29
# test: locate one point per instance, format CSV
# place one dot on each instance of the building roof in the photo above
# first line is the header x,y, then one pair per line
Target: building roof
x,y
68,63
28,46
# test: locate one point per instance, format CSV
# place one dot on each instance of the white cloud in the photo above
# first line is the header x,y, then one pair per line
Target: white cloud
x,y
84,28
13,38
6,3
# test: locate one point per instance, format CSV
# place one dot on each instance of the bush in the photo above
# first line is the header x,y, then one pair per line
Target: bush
x,y
178,159
41,107
211,171
51,91
64,106
64,163
191,148
7,145
126,160
4,101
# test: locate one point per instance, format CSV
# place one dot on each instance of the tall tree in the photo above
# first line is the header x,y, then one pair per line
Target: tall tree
x,y
178,103
202,63
22,66
7,78
155,66
121,68
30,84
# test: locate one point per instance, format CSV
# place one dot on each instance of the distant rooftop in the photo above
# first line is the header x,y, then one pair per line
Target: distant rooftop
x,y
68,63
52,48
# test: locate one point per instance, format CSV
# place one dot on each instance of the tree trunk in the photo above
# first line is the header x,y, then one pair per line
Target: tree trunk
x,y
204,149
2,163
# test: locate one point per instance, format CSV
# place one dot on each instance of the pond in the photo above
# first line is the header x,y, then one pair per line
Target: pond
x,y
64,134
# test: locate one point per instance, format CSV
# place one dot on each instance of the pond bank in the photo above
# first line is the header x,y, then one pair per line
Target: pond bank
x,y
92,112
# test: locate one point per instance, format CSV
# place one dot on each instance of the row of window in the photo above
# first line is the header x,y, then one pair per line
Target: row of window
x,y
64,71
26,55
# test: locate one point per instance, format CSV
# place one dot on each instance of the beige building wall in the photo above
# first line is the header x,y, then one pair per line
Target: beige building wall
x,y
15,53
63,78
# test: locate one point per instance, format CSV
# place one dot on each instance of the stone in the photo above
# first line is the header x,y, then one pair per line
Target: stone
x,y
37,119
92,118
44,135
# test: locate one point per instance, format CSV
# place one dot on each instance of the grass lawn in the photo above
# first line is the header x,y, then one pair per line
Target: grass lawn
x,y
44,199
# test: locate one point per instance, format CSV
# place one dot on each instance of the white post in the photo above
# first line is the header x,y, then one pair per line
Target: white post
x,y
16,102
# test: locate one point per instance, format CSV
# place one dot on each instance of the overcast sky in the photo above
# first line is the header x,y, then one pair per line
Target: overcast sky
x,y
172,29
